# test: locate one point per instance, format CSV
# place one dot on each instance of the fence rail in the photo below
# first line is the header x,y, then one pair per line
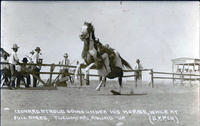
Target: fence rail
x,y
51,72
173,76
154,75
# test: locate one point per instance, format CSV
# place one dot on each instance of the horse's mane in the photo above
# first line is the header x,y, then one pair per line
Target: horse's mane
x,y
91,29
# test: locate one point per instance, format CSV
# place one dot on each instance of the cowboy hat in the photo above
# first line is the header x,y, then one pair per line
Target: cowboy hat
x,y
37,48
15,46
32,52
66,55
25,60
138,60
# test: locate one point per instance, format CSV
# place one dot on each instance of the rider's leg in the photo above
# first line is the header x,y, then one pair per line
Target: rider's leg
x,y
106,61
118,62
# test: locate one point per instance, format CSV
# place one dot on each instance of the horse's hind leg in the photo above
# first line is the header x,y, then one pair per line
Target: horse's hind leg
x,y
104,82
120,83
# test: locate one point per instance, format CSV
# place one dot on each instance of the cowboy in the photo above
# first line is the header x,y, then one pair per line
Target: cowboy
x,y
65,69
23,73
114,64
65,61
37,59
111,54
14,60
30,56
5,70
138,72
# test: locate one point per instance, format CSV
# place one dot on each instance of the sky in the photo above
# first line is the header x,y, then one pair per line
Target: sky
x,y
154,32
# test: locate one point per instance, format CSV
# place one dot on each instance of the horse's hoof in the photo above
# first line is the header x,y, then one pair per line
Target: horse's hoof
x,y
97,89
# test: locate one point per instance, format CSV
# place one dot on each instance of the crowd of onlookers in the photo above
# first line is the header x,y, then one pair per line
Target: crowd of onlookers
x,y
15,71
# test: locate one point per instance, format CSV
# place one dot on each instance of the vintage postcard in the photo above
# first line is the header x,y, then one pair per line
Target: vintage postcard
x,y
100,63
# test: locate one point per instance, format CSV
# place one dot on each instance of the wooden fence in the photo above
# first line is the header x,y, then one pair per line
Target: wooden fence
x,y
154,75
174,76
52,82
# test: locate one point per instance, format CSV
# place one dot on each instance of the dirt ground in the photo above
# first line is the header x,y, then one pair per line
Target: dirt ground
x,y
159,106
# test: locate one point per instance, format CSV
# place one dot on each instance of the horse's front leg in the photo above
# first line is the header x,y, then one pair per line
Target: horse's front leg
x,y
100,84
86,71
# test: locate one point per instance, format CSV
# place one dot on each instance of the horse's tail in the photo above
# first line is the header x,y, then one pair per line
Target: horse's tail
x,y
125,64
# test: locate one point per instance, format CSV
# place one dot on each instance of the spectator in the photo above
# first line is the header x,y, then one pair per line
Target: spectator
x,y
138,72
30,56
37,59
65,69
14,60
5,70
24,69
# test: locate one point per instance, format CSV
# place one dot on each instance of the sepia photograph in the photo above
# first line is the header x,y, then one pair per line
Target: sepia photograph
x,y
100,63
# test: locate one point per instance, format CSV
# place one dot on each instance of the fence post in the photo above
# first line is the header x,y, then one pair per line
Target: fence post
x,y
173,79
134,78
182,78
80,74
152,81
50,77
190,78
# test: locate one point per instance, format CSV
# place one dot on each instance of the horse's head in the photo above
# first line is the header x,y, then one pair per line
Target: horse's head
x,y
86,30
89,40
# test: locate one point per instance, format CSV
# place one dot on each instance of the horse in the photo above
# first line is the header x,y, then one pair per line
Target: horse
x,y
106,60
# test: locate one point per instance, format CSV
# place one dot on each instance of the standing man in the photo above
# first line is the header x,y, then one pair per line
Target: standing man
x,y
138,72
65,61
14,60
5,71
37,59
30,56
65,69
